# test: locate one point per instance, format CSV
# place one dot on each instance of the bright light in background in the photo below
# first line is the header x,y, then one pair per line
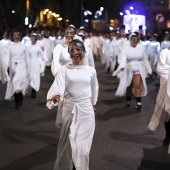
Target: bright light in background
x,y
110,28
86,20
131,7
97,14
121,13
13,11
59,19
86,12
26,20
127,12
101,9
30,26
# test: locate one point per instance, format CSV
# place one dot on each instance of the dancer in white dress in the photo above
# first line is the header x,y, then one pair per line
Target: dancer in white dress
x,y
135,67
77,84
163,97
18,70
60,54
35,53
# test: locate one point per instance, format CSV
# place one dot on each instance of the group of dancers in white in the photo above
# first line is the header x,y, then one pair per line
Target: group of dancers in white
x,y
75,87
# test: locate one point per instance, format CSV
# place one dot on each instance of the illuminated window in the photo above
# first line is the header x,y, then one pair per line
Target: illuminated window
x,y
168,23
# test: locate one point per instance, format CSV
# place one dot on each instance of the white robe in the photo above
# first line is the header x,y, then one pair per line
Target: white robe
x,y
18,69
3,69
61,57
132,60
35,53
153,52
78,86
162,99
89,59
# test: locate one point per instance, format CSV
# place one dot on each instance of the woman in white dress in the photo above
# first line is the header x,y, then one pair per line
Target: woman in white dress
x,y
77,84
60,54
135,66
18,70
35,53
163,97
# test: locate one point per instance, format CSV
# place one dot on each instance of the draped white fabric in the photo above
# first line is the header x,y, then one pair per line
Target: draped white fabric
x,y
132,59
18,69
162,100
78,86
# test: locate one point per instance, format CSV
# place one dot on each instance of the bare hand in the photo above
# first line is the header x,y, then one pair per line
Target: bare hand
x,y
55,99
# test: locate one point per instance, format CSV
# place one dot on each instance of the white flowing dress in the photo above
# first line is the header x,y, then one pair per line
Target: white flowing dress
x,y
78,86
35,53
18,69
162,100
133,60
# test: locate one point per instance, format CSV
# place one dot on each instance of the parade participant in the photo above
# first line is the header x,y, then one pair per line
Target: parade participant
x,y
77,84
60,54
35,53
162,100
88,59
18,70
166,42
135,67
153,53
4,78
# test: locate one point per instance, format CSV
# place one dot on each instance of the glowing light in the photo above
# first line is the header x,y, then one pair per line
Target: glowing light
x,y
131,7
127,12
26,20
86,20
121,13
30,26
101,9
13,11
59,19
67,20
110,28
46,10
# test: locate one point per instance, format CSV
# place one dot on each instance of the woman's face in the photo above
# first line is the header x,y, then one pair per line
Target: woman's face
x,y
134,41
76,53
16,36
69,35
33,39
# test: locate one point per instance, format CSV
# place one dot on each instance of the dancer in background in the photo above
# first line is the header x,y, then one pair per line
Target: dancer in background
x,y
136,68
19,69
163,97
77,85
35,53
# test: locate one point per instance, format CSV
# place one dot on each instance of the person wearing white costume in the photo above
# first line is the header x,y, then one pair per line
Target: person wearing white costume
x,y
61,58
163,97
4,78
153,52
60,54
35,52
18,70
166,42
5,56
88,59
77,84
136,68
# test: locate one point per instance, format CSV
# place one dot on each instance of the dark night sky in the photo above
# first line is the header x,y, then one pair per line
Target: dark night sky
x,y
114,7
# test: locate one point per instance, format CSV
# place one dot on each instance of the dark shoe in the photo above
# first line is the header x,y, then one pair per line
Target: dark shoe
x,y
33,94
139,106
128,104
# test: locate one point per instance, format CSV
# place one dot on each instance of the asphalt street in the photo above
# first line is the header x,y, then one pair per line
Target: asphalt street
x,y
28,136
